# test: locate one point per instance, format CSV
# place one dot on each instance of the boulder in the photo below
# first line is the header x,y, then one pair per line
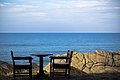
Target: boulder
x,y
35,67
93,62
5,68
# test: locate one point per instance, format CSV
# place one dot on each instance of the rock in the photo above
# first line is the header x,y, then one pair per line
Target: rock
x,y
76,60
47,68
116,59
35,67
98,68
101,57
93,62
5,68
87,70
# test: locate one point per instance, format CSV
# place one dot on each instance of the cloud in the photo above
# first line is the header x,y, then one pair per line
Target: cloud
x,y
4,4
75,14
64,5
75,4
1,4
88,4
16,11
19,8
36,14
116,7
83,4
26,10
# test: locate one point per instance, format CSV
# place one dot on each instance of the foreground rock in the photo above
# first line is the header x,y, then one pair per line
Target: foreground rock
x,y
7,69
93,62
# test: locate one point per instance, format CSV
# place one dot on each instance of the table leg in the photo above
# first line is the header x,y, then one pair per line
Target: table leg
x,y
41,72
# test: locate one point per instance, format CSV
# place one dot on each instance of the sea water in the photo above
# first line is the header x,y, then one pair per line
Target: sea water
x,y
24,44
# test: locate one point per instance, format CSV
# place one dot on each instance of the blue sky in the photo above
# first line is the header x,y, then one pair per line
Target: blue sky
x,y
60,16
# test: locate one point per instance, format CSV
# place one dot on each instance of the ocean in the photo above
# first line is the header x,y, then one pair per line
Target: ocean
x,y
24,44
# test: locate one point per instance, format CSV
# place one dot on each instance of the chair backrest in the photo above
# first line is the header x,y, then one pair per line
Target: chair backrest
x,y
69,56
12,57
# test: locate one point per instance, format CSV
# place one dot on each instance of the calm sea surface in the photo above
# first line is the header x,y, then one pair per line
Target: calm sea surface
x,y
24,44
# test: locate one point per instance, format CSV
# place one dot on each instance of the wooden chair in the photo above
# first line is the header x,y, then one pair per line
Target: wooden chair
x,y
18,67
61,65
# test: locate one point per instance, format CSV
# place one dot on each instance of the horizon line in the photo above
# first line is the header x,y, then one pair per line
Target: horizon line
x,y
58,32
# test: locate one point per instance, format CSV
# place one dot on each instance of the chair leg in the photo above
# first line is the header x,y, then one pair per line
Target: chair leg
x,y
30,74
50,74
14,74
53,74
69,73
50,71
66,72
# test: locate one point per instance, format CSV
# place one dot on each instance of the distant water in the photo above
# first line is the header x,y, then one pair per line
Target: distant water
x,y
24,44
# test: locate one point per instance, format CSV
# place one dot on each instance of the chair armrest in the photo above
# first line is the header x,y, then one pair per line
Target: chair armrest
x,y
22,58
59,57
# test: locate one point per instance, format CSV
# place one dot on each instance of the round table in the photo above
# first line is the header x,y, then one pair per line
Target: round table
x,y
41,55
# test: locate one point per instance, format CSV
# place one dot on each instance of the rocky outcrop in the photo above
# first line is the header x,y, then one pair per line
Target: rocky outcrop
x,y
90,62
7,69
93,62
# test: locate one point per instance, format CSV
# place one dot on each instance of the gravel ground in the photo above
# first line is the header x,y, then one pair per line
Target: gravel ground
x,y
105,76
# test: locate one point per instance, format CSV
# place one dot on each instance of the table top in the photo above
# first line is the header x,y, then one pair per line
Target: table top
x,y
58,57
41,54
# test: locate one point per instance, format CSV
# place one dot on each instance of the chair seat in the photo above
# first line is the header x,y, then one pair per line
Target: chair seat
x,y
22,66
60,65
